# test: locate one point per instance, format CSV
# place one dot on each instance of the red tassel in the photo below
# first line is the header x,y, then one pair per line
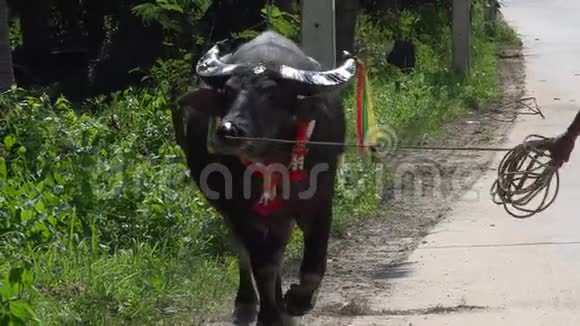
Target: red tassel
x,y
266,208
301,132
269,200
298,175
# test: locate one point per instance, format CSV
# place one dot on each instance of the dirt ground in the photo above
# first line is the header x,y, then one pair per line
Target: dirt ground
x,y
424,187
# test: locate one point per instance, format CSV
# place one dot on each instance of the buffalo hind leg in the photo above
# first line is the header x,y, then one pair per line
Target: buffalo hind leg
x,y
301,298
246,304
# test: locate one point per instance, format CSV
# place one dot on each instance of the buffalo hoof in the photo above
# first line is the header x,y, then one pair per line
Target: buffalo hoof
x,y
299,300
278,322
245,314
289,320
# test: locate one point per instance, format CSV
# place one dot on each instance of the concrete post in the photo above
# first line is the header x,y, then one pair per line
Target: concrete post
x,y
318,31
461,35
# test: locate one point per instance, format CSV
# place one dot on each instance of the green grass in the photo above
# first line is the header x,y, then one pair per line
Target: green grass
x,y
507,35
99,224
138,285
103,214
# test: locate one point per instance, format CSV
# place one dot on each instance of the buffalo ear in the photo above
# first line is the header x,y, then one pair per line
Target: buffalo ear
x,y
203,100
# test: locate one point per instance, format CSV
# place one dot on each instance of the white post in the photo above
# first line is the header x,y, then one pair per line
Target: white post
x,y
318,31
461,35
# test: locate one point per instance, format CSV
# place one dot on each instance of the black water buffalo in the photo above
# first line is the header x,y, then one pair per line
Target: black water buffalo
x,y
267,88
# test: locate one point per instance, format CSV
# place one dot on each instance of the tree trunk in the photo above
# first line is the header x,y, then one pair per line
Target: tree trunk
x,y
35,31
6,70
95,27
128,50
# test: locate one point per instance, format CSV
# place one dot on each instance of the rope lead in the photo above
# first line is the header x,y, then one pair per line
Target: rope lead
x,y
525,176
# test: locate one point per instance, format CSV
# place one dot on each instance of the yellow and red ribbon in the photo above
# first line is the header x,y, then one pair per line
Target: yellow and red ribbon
x,y
366,123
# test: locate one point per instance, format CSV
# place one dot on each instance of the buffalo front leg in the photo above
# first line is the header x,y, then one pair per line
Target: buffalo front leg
x,y
266,257
301,298
266,275
246,304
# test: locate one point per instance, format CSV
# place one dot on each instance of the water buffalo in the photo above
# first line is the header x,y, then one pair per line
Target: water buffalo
x,y
267,88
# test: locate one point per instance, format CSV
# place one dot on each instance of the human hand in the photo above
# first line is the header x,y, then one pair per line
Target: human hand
x,y
561,148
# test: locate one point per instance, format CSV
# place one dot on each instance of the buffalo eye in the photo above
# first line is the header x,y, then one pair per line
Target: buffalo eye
x,y
229,93
268,84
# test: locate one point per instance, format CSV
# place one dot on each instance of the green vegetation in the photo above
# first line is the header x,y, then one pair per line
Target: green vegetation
x,y
99,207
414,105
506,35
15,34
99,222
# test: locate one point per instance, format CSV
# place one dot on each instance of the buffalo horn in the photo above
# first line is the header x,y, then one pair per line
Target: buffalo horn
x,y
334,77
210,65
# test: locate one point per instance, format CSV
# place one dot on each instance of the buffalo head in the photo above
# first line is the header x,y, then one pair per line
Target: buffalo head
x,y
260,99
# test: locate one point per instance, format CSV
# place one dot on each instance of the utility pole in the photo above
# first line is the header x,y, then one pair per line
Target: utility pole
x,y
461,35
319,31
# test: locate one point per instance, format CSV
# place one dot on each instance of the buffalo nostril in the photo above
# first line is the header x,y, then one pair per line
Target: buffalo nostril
x,y
228,130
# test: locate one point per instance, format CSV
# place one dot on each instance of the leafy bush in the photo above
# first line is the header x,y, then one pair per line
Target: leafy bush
x,y
14,308
171,14
119,171
96,186
15,33
177,17
280,21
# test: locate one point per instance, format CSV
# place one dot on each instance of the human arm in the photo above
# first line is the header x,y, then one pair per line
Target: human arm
x,y
562,146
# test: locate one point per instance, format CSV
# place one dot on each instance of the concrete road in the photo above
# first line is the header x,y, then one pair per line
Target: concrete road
x,y
483,266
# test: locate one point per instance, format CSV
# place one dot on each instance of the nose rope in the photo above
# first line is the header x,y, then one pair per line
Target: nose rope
x,y
523,106
525,173
528,179
337,144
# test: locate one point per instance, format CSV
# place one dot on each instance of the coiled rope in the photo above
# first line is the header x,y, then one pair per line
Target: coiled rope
x,y
525,175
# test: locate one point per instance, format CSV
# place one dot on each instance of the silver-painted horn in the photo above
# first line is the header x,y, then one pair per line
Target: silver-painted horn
x,y
334,77
210,64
